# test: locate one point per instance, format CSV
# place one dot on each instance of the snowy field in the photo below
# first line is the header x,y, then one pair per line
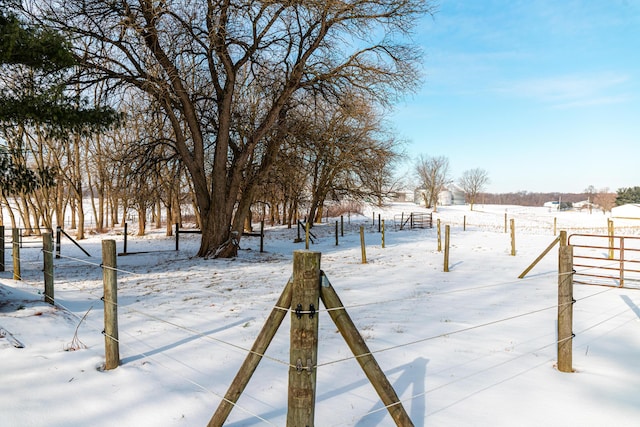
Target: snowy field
x,y
475,346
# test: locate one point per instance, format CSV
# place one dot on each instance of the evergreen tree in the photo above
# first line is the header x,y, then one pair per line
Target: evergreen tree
x,y
628,195
37,59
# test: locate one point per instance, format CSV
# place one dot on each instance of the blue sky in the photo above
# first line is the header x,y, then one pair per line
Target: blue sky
x,y
544,95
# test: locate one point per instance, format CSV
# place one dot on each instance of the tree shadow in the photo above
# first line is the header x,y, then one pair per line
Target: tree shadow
x,y
411,378
413,374
631,305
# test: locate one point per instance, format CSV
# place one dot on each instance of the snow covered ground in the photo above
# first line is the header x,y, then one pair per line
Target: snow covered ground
x,y
474,346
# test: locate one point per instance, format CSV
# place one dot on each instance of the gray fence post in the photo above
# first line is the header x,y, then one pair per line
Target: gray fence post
x,y
109,278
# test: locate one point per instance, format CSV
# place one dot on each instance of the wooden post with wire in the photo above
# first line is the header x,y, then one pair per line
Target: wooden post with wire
x,y
362,246
301,295
610,232
262,236
110,298
47,249
1,247
15,245
303,353
446,248
58,243
513,237
565,308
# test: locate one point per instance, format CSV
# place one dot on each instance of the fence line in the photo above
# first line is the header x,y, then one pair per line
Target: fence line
x,y
189,380
202,335
435,294
96,327
195,333
444,334
497,365
458,379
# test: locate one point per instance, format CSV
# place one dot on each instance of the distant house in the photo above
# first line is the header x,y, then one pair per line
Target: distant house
x,y
560,206
631,211
585,204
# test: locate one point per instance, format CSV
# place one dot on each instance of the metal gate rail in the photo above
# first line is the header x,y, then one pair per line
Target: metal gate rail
x,y
606,260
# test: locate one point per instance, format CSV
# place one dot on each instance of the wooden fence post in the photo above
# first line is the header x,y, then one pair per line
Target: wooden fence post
x,y
15,245
565,308
177,236
621,256
513,237
47,249
505,222
446,248
303,354
124,248
110,283
464,223
1,247
362,246
439,237
58,237
555,226
382,234
262,236
610,232
306,235
336,233
341,225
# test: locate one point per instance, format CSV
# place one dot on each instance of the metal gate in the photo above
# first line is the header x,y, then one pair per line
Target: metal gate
x,y
606,260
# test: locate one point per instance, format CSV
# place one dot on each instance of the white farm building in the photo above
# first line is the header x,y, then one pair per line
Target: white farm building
x,y
631,211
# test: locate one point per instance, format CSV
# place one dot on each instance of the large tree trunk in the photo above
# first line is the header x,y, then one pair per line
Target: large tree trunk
x,y
218,241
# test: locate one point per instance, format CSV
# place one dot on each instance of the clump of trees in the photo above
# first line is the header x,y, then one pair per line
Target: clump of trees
x,y
229,105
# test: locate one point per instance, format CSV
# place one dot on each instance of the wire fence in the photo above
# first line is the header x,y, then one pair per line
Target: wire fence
x,y
33,264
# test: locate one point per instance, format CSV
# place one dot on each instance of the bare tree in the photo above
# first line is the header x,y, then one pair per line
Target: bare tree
x,y
473,182
224,71
605,199
434,176
345,149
